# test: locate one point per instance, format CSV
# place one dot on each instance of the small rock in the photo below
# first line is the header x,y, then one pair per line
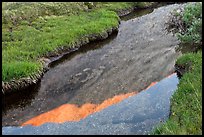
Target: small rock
x,y
78,74
178,11
102,67
151,39
86,69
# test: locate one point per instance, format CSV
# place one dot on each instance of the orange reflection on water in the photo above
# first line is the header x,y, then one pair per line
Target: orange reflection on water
x,y
152,84
71,112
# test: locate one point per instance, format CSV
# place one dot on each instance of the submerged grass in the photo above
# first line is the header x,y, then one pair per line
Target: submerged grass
x,y
186,103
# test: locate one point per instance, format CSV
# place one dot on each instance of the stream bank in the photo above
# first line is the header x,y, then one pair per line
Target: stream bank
x,y
128,62
16,85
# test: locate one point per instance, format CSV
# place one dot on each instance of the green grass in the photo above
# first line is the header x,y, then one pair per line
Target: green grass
x,y
35,29
143,4
192,20
14,13
22,47
186,103
18,69
114,6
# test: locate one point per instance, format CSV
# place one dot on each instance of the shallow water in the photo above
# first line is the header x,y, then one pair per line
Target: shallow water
x,y
140,53
138,114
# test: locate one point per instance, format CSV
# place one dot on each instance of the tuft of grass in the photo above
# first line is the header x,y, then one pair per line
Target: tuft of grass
x,y
186,102
16,70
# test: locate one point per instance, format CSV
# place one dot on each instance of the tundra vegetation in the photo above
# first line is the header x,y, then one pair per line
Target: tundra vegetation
x,y
33,30
186,103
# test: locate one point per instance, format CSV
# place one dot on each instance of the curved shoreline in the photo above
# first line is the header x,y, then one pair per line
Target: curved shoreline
x,y
22,83
25,82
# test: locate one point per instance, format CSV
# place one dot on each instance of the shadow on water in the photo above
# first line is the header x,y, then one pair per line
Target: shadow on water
x,y
100,43
83,49
140,12
19,98
184,48
24,97
137,13
187,47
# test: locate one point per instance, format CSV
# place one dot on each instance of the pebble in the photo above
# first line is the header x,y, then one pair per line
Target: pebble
x,y
78,74
86,69
102,67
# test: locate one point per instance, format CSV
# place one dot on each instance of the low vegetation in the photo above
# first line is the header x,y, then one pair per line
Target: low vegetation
x,y
32,30
25,44
192,24
186,103
188,24
114,6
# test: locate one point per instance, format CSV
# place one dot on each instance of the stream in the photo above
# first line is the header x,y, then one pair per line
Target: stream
x,y
141,52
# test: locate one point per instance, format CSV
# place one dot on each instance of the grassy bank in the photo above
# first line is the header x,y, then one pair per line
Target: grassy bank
x,y
33,30
186,103
15,13
22,47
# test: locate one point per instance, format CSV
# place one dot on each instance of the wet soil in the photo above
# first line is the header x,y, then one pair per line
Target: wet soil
x,y
141,52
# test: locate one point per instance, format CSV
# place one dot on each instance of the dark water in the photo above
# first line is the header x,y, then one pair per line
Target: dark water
x,y
138,114
137,13
141,52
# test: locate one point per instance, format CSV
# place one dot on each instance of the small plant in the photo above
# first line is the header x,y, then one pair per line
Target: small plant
x,y
186,102
192,24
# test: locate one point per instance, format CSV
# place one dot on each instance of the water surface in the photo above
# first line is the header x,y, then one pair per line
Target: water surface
x,y
140,53
138,114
